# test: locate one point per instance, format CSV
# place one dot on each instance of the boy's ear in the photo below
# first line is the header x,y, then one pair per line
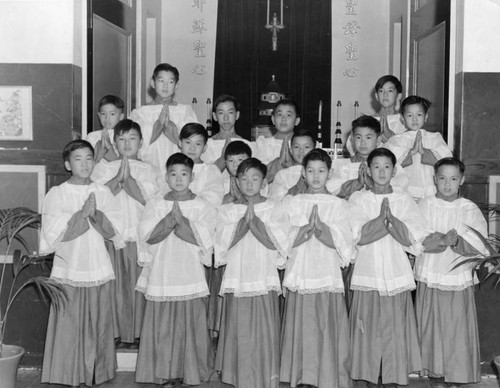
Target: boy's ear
x,y
214,116
264,183
394,171
461,180
237,183
303,172
330,173
204,148
121,116
140,143
152,83
179,144
272,119
237,114
369,172
426,117
192,176
297,121
376,96
67,165
398,101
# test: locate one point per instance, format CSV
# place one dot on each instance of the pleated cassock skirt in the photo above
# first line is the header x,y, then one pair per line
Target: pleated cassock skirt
x,y
174,342
80,347
315,341
129,302
448,334
248,348
383,337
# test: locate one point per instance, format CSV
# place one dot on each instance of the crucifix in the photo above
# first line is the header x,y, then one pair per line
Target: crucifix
x,y
275,25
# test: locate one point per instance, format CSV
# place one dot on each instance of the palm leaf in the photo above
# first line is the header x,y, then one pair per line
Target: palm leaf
x,y
13,220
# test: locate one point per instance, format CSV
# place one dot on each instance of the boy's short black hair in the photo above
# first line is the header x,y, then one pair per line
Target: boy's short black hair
x,y
237,147
180,158
191,129
249,163
450,162
111,100
317,154
125,126
389,78
415,100
301,132
226,98
75,145
166,67
288,101
381,152
366,121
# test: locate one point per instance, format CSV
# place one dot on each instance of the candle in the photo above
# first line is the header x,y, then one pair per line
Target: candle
x,y
267,19
281,16
320,111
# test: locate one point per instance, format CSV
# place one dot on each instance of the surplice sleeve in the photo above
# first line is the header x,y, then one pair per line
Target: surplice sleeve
x,y
227,220
151,216
434,142
410,214
203,226
107,204
476,220
340,229
55,218
213,190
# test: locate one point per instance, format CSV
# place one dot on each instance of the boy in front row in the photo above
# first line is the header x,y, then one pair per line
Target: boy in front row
x,y
77,217
315,329
176,230
446,310
132,182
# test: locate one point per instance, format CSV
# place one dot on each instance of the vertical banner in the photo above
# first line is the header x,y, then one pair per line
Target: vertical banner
x,y
189,29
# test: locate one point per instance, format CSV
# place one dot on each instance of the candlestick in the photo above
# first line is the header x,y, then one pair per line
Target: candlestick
x,y
267,18
356,106
320,110
281,15
339,104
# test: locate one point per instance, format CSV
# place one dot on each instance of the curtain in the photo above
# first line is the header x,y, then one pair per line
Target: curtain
x,y
245,62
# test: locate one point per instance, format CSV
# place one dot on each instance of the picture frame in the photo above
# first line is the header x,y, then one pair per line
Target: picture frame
x,y
16,113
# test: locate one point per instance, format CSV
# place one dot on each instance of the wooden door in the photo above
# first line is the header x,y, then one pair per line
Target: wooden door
x,y
429,58
111,44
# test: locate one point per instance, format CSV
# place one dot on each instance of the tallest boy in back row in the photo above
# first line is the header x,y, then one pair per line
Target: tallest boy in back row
x,y
162,121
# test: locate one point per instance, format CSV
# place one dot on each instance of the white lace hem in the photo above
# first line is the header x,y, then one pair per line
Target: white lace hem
x,y
396,291
168,298
75,283
247,294
333,289
447,287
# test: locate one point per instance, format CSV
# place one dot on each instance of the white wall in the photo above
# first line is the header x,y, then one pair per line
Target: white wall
x,y
373,43
41,31
177,49
481,34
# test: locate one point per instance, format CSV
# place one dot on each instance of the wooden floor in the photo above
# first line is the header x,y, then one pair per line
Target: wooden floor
x,y
31,378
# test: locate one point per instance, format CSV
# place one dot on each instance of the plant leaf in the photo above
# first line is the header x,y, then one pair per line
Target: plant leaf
x,y
16,262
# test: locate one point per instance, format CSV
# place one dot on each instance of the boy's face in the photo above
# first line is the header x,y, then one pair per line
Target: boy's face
x,y
316,173
250,182
80,163
226,115
109,115
233,161
381,170
387,95
193,147
179,177
285,118
365,141
448,181
414,117
165,84
301,145
128,143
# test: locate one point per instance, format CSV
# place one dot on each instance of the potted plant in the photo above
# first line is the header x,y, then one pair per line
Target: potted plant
x,y
487,265
12,222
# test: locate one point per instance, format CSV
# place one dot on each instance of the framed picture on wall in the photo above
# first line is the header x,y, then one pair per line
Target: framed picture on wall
x,y
16,118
